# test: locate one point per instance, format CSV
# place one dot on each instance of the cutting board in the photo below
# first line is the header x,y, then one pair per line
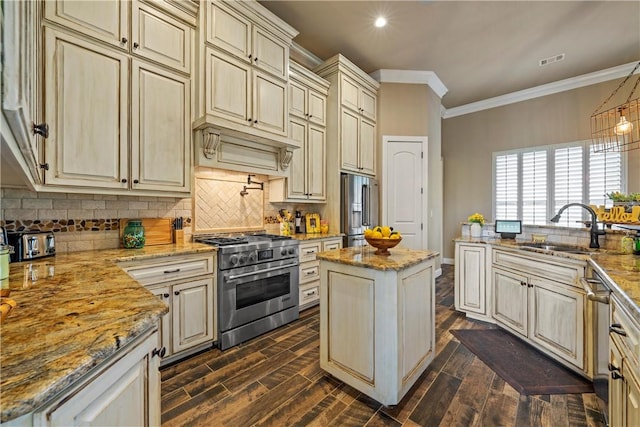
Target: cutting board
x,y
157,231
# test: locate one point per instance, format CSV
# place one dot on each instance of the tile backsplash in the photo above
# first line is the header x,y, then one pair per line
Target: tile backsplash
x,y
83,221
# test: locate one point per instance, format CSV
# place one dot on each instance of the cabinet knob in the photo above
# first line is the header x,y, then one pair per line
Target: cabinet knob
x,y
124,40
135,181
135,45
255,121
616,376
612,368
41,129
250,55
123,180
616,328
530,285
255,59
158,352
176,292
165,295
522,283
249,119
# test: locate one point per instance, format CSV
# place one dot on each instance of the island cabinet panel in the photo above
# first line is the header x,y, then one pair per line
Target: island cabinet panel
x,y
418,338
510,300
351,302
377,326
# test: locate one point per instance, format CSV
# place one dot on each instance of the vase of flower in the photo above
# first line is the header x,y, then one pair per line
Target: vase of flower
x,y
476,229
476,222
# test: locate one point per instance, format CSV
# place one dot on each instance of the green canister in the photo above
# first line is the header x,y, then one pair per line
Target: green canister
x,y
133,235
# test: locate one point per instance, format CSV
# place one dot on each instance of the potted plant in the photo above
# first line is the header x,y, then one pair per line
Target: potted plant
x,y
477,221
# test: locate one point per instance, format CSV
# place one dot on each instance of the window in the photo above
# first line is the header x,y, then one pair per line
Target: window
x,y
533,184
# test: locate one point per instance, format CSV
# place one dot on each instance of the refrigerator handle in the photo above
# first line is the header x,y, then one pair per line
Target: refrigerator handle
x,y
365,205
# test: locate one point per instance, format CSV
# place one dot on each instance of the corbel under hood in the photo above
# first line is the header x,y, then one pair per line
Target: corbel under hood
x,y
257,151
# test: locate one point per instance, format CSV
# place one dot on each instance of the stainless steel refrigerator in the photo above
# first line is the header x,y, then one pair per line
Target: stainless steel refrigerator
x,y
358,208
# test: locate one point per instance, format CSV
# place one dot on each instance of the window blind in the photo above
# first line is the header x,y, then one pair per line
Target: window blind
x,y
605,176
568,183
506,182
534,187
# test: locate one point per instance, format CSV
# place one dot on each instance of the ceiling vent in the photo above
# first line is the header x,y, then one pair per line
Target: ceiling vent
x,y
551,59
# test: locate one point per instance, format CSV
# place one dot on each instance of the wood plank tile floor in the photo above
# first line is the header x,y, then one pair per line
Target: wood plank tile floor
x,y
276,380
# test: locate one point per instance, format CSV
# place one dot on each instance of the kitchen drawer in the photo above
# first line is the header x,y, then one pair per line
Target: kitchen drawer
x,y
309,271
308,251
567,271
622,323
169,269
329,245
309,295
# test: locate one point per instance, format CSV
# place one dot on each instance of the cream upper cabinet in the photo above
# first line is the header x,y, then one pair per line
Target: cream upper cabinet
x,y
134,27
160,129
237,92
107,21
351,117
21,91
87,109
307,112
238,35
119,119
160,38
357,98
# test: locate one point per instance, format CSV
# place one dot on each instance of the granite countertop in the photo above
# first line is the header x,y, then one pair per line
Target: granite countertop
x,y
363,256
73,311
315,236
621,270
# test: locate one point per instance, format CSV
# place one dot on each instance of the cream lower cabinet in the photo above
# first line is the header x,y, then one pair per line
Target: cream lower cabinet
x,y
309,277
124,390
377,327
549,314
624,364
187,285
471,280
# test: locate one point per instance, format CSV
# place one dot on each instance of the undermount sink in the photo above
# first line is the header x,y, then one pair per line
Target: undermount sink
x,y
557,248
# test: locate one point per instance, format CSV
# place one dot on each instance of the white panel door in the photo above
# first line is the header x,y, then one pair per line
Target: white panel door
x,y
228,87
297,176
404,189
316,162
192,314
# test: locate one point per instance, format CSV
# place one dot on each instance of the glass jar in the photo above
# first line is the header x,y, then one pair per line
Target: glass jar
x,y
133,235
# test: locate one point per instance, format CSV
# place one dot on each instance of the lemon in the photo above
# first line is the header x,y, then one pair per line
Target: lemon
x,y
386,231
368,232
376,235
378,229
395,236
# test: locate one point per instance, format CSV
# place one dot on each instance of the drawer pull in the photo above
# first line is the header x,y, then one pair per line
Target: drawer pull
x,y
616,376
310,251
616,328
310,293
159,352
310,273
171,271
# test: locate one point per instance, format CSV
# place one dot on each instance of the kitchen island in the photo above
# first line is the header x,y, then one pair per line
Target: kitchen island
x,y
377,318
77,315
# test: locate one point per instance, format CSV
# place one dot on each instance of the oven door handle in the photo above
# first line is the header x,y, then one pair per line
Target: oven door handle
x,y
253,273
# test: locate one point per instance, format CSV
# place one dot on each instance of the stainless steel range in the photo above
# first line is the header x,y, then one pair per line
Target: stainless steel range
x,y
257,284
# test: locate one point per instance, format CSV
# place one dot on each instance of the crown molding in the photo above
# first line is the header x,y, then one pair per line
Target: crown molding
x,y
411,77
543,90
303,56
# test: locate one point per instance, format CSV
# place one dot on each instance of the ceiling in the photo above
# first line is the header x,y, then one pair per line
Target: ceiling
x,y
478,49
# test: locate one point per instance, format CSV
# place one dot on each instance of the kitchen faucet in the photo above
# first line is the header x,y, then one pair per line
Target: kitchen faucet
x,y
594,222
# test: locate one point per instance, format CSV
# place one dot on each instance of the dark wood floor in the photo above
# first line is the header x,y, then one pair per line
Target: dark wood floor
x,y
276,380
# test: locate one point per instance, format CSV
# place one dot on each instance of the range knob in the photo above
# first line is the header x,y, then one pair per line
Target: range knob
x,y
283,251
233,259
252,257
243,259
292,251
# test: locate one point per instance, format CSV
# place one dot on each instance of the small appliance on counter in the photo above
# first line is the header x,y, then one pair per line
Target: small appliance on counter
x,y
31,244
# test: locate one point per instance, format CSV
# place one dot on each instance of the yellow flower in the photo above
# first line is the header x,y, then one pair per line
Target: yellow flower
x,y
476,217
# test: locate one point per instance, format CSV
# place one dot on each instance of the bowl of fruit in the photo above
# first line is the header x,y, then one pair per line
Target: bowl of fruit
x,y
382,238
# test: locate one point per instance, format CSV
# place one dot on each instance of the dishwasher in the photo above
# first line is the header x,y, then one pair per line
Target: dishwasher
x,y
597,293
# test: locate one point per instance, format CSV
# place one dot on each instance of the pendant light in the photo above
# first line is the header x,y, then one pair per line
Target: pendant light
x,y
617,128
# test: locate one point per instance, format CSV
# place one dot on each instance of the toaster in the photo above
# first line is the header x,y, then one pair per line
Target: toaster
x,y
31,244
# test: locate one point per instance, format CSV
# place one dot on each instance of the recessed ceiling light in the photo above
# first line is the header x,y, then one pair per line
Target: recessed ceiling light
x,y
381,21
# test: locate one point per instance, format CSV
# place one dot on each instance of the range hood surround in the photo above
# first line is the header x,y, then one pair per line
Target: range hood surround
x,y
233,149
